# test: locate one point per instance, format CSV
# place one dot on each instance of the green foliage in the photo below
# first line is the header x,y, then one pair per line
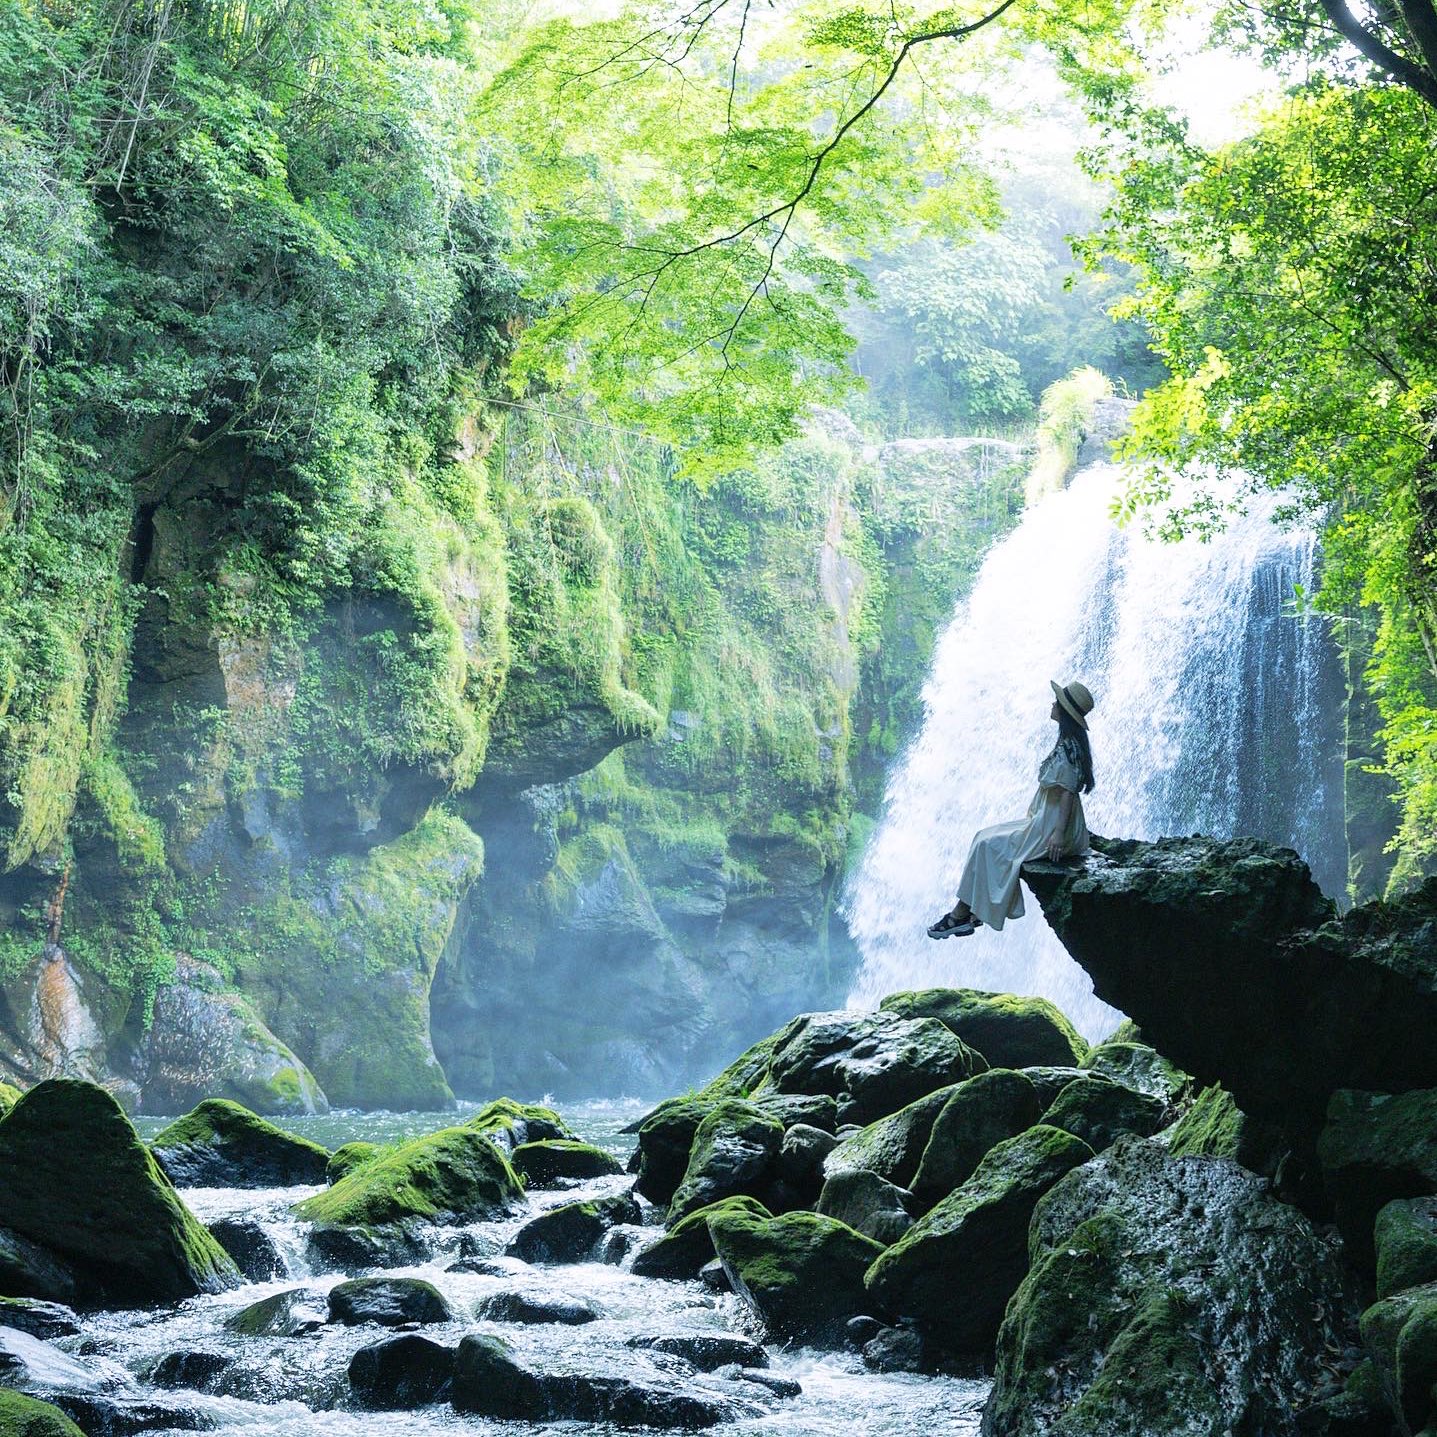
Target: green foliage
x,y
1063,419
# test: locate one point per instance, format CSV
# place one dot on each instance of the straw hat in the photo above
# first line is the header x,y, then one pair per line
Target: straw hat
x,y
1076,701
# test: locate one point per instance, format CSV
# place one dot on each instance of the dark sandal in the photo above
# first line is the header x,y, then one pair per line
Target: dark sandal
x,y
949,927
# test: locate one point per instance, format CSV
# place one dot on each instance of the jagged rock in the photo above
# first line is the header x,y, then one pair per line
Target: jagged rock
x,y
687,1247
733,1154
490,1381
29,1270
798,1169
254,1251
510,1125
547,1163
76,1179
389,1301
514,1306
1101,1111
801,1273
1139,1067
713,1276
893,1146
401,1372
1401,1334
349,1156
814,1110
708,1351
1376,1148
206,1040
222,1145
281,1314
452,1176
572,1232
665,1137
45,1320
957,1267
1008,1030
1214,1126
872,1063
196,1370
22,1416
1405,1236
979,1114
1166,1295
1241,972
868,1204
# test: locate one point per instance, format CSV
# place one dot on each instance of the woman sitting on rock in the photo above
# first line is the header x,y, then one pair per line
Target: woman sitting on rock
x,y
989,891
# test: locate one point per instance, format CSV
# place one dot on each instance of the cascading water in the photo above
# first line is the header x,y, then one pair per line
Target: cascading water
x,y
1218,711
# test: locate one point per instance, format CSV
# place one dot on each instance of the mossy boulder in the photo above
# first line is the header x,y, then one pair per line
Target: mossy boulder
x,y
221,1144
349,1156
281,1314
687,1247
1400,1333
22,1416
978,1115
572,1232
1405,1235
1139,1067
800,1272
1375,1148
892,1147
872,1063
1166,1295
868,1204
664,1139
452,1176
387,1301
510,1125
955,1270
1214,1126
9,1096
76,1179
1008,1030
813,1110
1101,1111
734,1152
553,1161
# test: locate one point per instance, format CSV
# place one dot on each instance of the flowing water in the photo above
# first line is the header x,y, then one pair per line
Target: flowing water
x,y
297,1386
1218,711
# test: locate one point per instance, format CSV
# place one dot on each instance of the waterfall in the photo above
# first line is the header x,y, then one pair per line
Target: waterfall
x,y
1218,711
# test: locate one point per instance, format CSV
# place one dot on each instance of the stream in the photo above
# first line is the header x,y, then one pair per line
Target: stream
x,y
297,1386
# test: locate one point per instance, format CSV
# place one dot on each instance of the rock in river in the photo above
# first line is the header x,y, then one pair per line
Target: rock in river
x,y
548,1163
222,1145
687,1247
734,1152
513,1306
572,1232
389,1301
401,1372
1010,1031
979,1114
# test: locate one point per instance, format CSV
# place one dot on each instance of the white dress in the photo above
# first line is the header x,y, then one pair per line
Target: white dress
x,y
989,885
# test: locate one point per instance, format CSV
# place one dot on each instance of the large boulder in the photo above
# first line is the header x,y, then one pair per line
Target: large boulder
x,y
511,1305
1101,1111
29,1270
1405,1236
281,1314
1139,1067
1242,973
571,1233
733,1153
401,1373
76,1180
664,1139
250,1243
892,1147
801,1273
1214,1126
1167,1295
222,1145
687,1247
552,1161
1401,1334
868,1204
873,1063
509,1125
979,1114
453,1176
22,1416
955,1269
387,1301
1010,1031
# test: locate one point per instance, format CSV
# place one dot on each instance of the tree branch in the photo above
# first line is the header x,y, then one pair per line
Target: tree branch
x,y
1414,77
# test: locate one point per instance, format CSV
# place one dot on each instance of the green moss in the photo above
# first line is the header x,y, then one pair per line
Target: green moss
x,y
229,1129
1211,1127
1064,415
9,1096
543,1164
22,1416
507,1116
349,1156
688,1246
1405,1236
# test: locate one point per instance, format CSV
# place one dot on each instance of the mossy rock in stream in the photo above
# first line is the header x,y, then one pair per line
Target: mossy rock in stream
x,y
892,1147
1009,1030
979,1114
548,1163
76,1179
223,1145
688,1247
1139,1067
1401,1335
662,1154
510,1125
734,1152
346,1158
22,1416
1101,1111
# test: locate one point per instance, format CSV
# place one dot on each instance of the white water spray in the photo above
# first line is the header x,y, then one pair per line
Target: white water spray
x,y
1216,713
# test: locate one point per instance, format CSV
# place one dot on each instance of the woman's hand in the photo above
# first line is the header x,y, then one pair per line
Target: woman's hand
x,y
1054,849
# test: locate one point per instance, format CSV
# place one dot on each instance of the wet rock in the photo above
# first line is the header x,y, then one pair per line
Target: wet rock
x,y
1373,1149
872,1063
109,1415
867,1204
1166,1295
572,1232
520,1307
801,1273
979,1114
734,1152
1048,1082
29,1270
798,1169
255,1252
510,1125
956,1268
281,1314
1214,1126
893,1146
482,1267
896,1349
453,1176
389,1301
1405,1236
1008,1030
714,1276
862,1330
37,1366
76,1179
1401,1334
665,1137
197,1370
22,1416
45,1320
490,1381
616,1245
221,1144
401,1373
346,1158
708,1351
813,1110
1101,1111
687,1247
55,1016
1139,1067
549,1163
770,1382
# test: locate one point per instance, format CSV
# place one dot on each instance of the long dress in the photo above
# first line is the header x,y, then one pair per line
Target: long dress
x,y
989,885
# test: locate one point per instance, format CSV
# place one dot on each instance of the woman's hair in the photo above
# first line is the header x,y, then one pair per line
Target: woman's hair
x,y
1070,728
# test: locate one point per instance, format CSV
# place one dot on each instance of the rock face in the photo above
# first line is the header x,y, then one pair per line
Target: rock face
x,y
1010,1031
1166,1295
221,1144
76,1180
1171,931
